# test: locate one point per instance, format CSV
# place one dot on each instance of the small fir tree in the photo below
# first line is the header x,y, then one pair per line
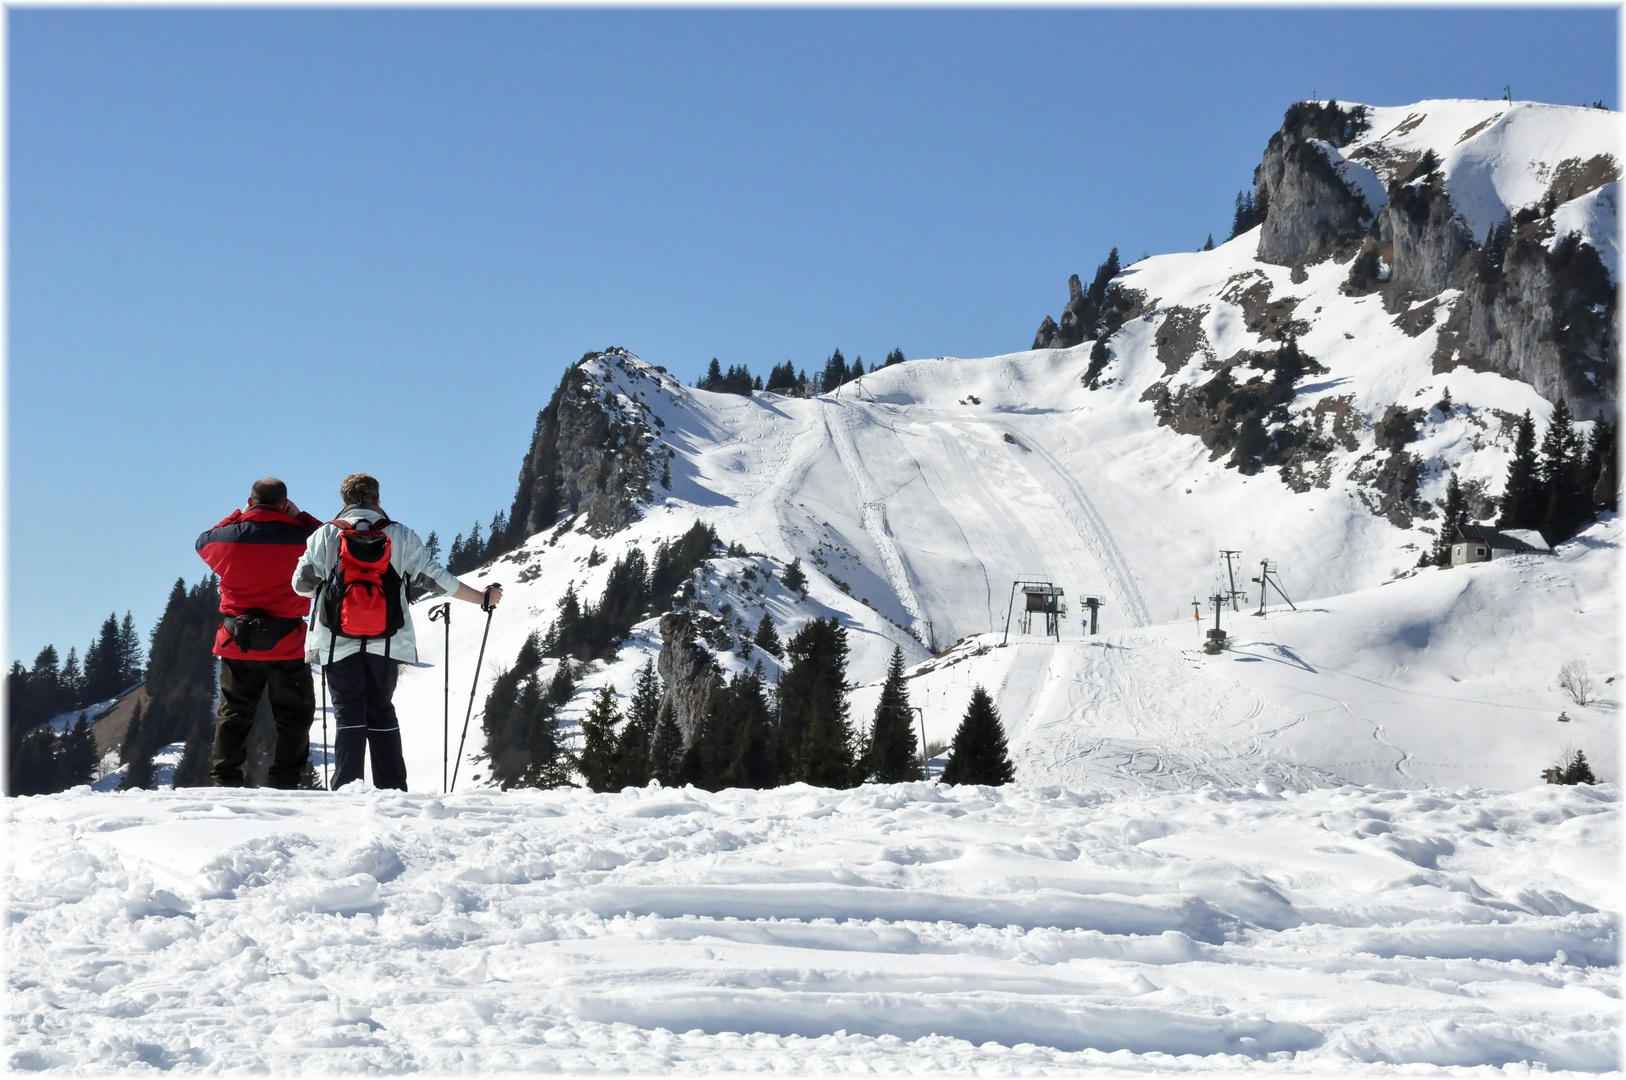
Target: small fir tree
x,y
129,653
978,754
432,545
78,755
1521,508
597,760
815,737
767,636
794,577
894,357
1560,477
749,762
835,372
1452,516
1208,245
894,755
666,749
634,764
1578,771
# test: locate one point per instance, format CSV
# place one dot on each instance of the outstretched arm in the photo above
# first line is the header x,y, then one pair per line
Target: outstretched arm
x,y
475,596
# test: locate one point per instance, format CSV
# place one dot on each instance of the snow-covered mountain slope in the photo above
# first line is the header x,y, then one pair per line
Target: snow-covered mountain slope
x,y
1442,679
1497,157
1301,393
912,928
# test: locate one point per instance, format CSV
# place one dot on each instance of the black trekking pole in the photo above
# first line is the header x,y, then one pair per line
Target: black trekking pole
x,y
487,607
325,783
443,613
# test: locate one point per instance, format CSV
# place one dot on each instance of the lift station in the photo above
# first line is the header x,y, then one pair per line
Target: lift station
x,y
1038,598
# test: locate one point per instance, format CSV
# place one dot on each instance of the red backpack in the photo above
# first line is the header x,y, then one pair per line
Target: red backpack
x,y
362,596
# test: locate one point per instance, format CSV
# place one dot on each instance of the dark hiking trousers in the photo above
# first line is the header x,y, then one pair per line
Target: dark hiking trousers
x,y
361,686
293,705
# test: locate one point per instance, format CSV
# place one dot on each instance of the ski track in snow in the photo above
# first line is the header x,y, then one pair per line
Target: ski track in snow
x,y
1094,531
906,928
874,514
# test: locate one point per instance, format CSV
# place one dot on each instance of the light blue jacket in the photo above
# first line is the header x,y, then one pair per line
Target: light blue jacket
x,y
411,561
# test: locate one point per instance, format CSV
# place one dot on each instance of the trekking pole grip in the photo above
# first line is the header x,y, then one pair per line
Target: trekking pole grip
x,y
485,597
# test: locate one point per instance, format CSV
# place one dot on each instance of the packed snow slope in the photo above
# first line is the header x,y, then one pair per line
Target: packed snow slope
x,y
910,928
923,508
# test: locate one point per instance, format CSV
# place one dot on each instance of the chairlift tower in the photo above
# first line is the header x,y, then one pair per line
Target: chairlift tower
x,y
1215,642
1230,574
1039,598
1268,578
1094,604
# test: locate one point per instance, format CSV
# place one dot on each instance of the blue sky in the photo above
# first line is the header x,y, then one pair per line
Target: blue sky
x,y
308,242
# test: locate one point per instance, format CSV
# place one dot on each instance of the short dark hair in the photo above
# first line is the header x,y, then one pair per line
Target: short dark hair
x,y
268,491
359,489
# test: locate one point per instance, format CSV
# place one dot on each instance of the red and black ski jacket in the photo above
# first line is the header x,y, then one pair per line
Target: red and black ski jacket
x,y
254,552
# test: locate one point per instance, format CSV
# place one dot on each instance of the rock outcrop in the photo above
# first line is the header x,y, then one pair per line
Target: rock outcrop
x,y
1532,306
688,672
1312,213
590,454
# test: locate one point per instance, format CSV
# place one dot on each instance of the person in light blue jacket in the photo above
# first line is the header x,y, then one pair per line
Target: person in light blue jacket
x,y
361,670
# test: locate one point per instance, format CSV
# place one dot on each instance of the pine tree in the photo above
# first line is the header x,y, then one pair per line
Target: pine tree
x,y
1208,245
794,577
1560,477
432,545
102,663
78,755
563,685
767,636
497,537
597,759
714,375
454,557
815,738
749,762
549,764
1521,505
181,680
137,752
857,370
894,755
1578,771
45,697
633,748
129,653
1453,515
513,709
894,357
36,767
666,750
978,754
72,680
132,736
835,372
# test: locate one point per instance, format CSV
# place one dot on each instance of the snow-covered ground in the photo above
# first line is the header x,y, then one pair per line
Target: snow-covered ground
x,y
912,928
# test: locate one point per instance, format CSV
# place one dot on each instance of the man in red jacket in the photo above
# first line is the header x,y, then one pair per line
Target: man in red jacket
x,y
261,641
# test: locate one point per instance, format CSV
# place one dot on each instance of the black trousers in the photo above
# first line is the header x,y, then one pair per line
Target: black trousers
x,y
362,686
293,704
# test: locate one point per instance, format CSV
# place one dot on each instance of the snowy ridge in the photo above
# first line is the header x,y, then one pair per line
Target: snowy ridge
x,y
1497,157
912,927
